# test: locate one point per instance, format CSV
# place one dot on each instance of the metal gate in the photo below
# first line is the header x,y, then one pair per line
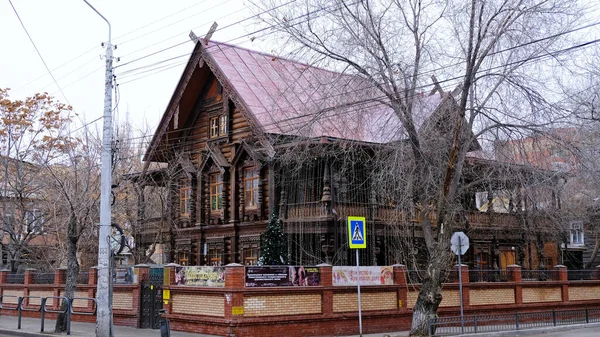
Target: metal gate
x,y
151,300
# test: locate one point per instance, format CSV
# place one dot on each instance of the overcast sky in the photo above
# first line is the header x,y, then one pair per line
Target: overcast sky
x,y
68,35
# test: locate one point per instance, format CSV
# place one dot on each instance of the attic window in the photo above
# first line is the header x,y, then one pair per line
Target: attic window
x,y
218,126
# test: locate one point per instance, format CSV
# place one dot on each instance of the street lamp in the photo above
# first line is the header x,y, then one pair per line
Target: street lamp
x,y
104,311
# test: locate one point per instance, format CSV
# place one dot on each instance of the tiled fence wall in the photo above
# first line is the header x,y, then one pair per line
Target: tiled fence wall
x,y
235,310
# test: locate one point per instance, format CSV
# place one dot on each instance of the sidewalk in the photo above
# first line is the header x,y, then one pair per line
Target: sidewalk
x,y
30,327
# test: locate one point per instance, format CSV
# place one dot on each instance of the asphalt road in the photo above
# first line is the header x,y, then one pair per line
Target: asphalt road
x,y
584,332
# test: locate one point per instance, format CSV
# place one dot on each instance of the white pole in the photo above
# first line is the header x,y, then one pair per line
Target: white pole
x,y
460,291
358,287
104,311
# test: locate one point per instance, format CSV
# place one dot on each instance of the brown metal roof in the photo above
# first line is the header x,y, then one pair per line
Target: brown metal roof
x,y
291,98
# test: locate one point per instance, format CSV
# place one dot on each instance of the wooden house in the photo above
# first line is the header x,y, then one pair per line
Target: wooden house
x,y
225,138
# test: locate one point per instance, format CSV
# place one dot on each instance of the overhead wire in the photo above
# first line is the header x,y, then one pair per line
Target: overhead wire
x,y
47,68
376,100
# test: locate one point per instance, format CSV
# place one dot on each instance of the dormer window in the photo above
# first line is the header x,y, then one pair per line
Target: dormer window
x,y
576,233
218,126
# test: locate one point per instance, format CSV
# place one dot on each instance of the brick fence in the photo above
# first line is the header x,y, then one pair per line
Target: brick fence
x,y
323,310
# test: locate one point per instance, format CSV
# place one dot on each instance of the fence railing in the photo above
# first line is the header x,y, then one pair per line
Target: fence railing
x,y
489,276
574,275
43,278
415,276
449,326
15,278
539,275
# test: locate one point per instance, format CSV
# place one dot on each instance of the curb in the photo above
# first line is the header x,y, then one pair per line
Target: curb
x,y
534,331
25,333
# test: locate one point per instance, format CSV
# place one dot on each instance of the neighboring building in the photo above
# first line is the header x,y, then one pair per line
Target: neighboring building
x,y
24,242
225,136
565,151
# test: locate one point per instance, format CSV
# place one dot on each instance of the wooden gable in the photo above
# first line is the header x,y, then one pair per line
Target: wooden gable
x,y
201,94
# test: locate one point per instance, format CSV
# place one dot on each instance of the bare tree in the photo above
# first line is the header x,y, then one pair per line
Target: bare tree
x,y
30,135
489,53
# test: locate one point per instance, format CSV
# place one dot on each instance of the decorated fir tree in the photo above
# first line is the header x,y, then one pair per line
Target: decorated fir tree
x,y
273,248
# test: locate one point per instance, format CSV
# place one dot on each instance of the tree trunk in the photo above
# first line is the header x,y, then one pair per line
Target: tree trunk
x,y
594,252
72,273
429,299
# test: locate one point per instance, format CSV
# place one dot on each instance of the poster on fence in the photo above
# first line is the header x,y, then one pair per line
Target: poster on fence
x,y
282,276
347,276
200,276
122,275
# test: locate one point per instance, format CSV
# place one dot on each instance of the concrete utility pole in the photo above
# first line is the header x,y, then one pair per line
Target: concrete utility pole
x,y
104,311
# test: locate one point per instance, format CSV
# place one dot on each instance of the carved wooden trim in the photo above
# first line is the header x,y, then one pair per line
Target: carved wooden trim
x,y
235,98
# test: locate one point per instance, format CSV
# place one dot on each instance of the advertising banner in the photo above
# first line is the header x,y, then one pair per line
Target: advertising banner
x,y
348,276
282,276
200,276
122,275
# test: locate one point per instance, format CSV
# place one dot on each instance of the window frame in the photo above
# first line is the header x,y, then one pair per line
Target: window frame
x,y
185,197
218,126
215,192
251,194
215,256
576,233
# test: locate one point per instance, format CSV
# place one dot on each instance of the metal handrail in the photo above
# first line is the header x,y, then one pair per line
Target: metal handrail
x,y
68,309
60,311
89,313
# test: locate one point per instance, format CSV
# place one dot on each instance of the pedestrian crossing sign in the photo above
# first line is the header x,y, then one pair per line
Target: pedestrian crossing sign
x,y
357,232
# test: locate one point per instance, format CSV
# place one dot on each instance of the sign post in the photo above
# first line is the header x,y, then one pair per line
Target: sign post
x,y
357,239
459,244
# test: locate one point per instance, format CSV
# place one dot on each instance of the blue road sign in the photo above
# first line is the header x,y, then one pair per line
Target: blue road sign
x,y
357,232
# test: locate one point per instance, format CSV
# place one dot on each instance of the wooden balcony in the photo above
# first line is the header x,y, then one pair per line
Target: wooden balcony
x,y
318,211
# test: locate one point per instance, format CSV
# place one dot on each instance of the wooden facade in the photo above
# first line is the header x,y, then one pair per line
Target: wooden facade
x,y
224,181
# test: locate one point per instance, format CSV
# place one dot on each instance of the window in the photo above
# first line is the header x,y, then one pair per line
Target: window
x,y
8,222
576,231
215,256
34,221
185,197
251,187
218,126
216,192
250,254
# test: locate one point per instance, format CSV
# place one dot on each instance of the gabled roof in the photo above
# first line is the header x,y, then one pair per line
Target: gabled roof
x,y
279,96
216,156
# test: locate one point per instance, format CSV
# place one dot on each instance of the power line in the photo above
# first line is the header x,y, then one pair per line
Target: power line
x,y
39,54
376,100
220,29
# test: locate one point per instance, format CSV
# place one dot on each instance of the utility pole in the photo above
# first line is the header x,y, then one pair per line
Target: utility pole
x,y
104,311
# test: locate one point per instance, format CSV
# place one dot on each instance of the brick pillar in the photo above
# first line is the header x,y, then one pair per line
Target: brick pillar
x,y
171,273
142,271
464,271
563,277
93,276
60,276
326,271
515,276
3,275
28,280
29,275
400,280
562,272
235,278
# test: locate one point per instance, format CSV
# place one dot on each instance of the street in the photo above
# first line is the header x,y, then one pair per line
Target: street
x,y
582,332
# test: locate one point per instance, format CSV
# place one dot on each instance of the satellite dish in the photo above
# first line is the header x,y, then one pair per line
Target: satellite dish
x,y
459,243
